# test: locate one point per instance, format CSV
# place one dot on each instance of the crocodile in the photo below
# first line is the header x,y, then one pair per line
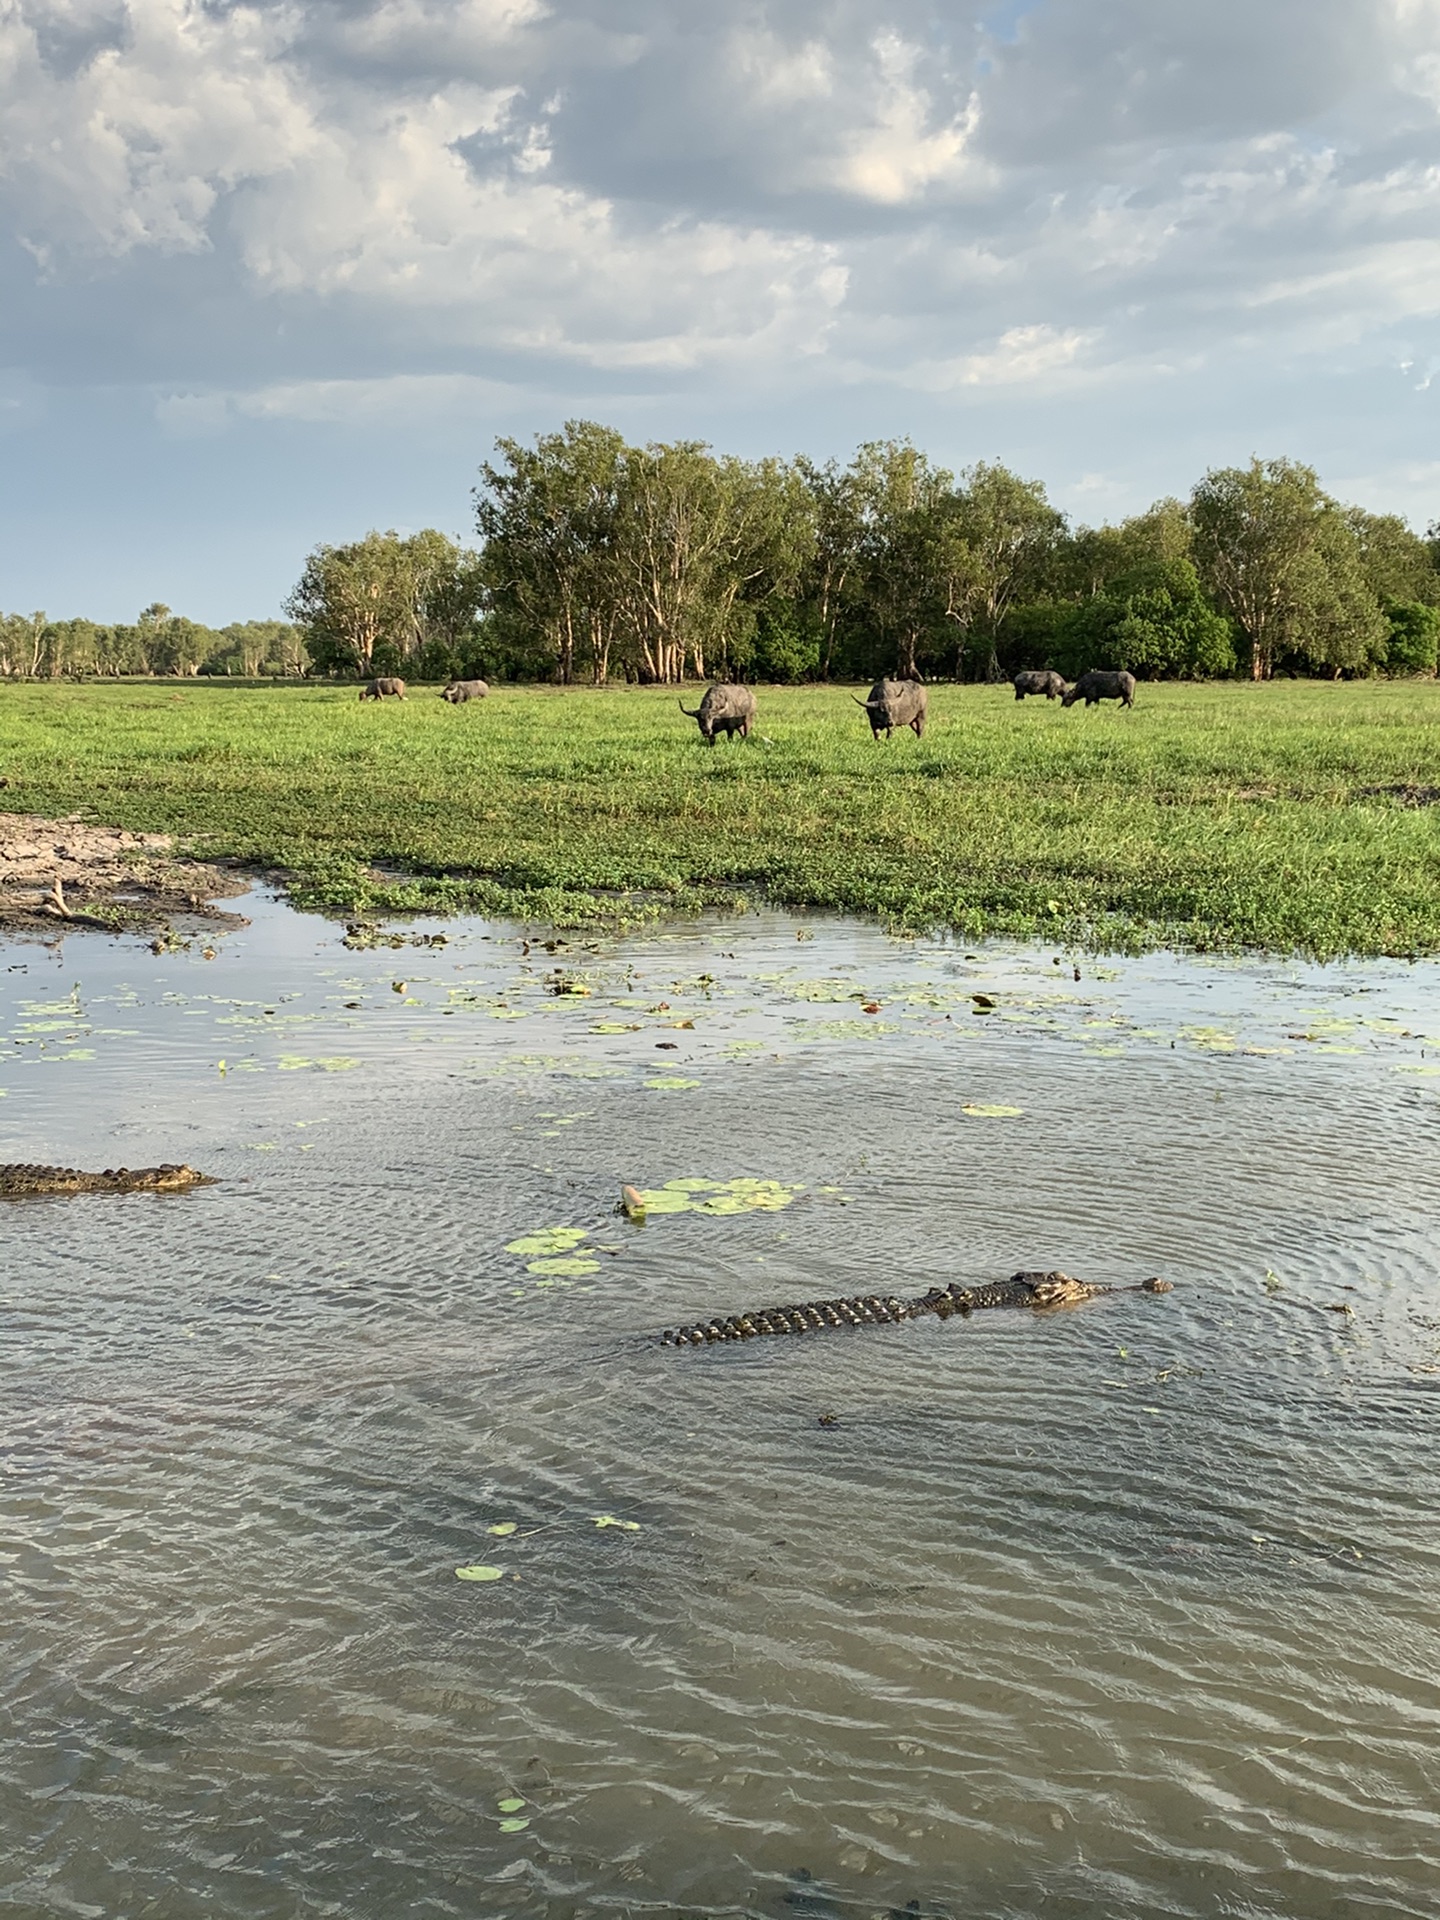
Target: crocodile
x,y
1033,1290
19,1181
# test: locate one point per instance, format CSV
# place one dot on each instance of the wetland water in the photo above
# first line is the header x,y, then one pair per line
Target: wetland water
x,y
1124,1611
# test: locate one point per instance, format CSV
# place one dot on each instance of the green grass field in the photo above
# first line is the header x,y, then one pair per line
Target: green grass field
x,y
1220,816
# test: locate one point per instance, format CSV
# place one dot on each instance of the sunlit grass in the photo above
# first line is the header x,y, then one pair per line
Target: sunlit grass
x,y
1220,816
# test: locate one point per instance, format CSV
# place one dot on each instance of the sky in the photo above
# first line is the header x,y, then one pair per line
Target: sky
x,y
275,274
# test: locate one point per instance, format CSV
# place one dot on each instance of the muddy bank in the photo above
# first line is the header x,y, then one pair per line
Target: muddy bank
x,y
59,875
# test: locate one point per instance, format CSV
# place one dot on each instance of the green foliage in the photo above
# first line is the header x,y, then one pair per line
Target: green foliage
x,y
1397,564
256,649
1414,639
1165,627
159,642
1218,815
1036,634
658,560
1154,619
784,647
1281,559
390,605
1003,533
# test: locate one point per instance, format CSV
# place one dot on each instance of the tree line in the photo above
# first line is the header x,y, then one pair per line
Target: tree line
x,y
160,642
599,561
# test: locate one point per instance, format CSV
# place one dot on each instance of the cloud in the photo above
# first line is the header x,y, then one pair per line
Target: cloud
x,y
1028,197
1020,357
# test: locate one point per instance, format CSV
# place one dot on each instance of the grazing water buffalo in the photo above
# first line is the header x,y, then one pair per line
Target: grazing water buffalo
x,y
1101,684
459,691
1034,681
725,709
386,688
895,703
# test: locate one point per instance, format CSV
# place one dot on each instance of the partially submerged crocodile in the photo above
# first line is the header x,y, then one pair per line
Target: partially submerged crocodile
x,y
20,1181
1033,1290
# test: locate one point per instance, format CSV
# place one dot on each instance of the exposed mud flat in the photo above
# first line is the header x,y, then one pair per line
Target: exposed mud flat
x,y
59,874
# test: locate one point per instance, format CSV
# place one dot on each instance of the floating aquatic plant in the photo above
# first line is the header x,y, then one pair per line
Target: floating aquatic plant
x,y
556,1253
744,1195
549,1240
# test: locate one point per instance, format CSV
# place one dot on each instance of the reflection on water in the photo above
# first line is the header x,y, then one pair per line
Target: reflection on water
x,y
1128,1610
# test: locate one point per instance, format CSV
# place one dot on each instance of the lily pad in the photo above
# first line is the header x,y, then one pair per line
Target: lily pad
x,y
609,1520
502,1528
548,1240
744,1195
671,1083
657,1200
565,1266
513,1826
980,1110
479,1573
512,1805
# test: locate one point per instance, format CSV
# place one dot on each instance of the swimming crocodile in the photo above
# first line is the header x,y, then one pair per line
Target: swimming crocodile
x,y
19,1181
1033,1290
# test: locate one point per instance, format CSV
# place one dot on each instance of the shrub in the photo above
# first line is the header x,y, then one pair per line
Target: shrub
x,y
1414,640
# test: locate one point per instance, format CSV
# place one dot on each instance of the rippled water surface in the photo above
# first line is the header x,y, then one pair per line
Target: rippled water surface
x,y
1127,1610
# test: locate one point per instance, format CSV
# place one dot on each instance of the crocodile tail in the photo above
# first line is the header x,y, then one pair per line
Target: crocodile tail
x,y
808,1316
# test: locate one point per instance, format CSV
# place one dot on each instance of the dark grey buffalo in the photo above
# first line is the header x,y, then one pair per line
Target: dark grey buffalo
x,y
385,688
459,691
1101,684
725,709
895,703
1034,681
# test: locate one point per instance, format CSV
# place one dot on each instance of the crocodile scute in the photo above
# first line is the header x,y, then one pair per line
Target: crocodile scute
x,y
1033,1290
20,1180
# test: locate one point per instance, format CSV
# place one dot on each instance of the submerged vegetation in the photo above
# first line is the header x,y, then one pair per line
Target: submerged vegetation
x,y
1289,816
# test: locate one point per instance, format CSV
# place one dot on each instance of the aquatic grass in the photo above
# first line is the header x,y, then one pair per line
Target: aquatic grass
x,y
1220,816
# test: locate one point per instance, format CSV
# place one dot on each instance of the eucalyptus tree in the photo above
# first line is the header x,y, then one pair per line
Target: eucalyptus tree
x,y
1085,562
22,644
1003,536
837,516
1277,555
548,517
702,543
1398,565
377,604
913,569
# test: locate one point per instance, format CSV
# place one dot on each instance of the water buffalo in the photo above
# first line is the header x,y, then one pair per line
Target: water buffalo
x,y
459,691
385,688
895,703
1035,681
1101,684
725,709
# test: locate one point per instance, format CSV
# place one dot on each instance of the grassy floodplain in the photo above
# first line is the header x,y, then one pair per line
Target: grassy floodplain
x,y
1211,816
